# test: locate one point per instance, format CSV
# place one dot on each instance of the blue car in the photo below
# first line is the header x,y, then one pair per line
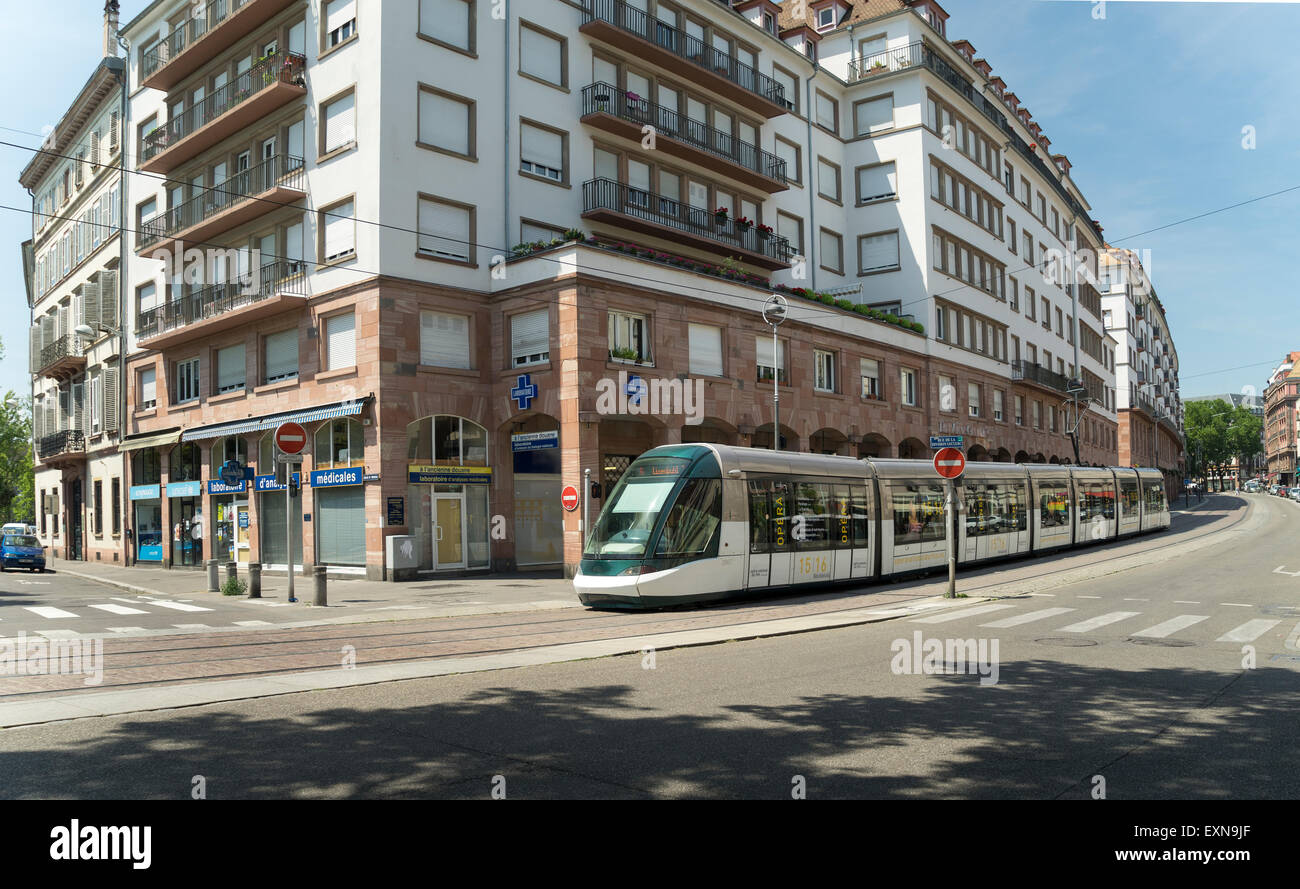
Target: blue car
x,y
21,551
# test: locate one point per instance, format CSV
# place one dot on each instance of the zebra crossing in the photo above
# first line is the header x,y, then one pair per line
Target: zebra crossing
x,y
50,621
1124,621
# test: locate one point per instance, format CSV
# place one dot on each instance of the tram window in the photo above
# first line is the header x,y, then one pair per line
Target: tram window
x,y
1017,500
1107,491
815,511
691,527
918,514
1129,497
978,510
842,524
626,522
781,507
760,513
1053,505
1155,496
861,517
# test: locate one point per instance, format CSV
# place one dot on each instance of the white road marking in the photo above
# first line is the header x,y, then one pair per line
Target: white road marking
x,y
1237,604
118,609
125,629
253,623
268,603
178,606
120,599
48,611
191,626
1185,602
1049,595
1087,597
1137,600
58,634
1171,626
1249,631
1101,620
960,613
1027,618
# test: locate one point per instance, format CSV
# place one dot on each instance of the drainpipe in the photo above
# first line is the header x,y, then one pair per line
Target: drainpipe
x,y
125,512
505,139
810,233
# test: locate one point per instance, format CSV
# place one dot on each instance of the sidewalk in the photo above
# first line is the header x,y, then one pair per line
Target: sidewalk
x,y
464,595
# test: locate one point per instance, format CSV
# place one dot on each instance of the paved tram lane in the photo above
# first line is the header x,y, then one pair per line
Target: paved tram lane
x,y
1071,708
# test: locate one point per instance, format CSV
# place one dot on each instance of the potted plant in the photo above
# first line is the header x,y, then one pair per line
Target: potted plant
x,y
744,223
764,231
720,216
623,353
878,65
601,100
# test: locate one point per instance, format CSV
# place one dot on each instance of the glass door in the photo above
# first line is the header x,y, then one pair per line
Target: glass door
x,y
241,532
448,531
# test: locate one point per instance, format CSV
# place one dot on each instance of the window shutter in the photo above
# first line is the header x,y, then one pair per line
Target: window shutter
x,y
340,12
340,231
34,351
705,345
148,386
529,335
48,324
541,56
111,372
444,340
444,230
765,352
542,147
230,368
38,423
880,252
90,305
875,114
877,182
444,122
445,20
108,298
282,355
340,122
341,340
80,417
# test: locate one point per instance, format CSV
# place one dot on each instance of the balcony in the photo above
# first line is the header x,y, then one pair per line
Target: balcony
x,y
63,358
274,183
1146,405
250,96
608,108
1141,343
60,448
650,40
605,200
1039,376
278,287
198,40
886,62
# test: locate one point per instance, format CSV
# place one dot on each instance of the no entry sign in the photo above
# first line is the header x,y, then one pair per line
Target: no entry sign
x,y
569,498
949,463
290,438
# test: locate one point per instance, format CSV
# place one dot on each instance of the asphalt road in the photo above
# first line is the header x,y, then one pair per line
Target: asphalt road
x,y
1133,678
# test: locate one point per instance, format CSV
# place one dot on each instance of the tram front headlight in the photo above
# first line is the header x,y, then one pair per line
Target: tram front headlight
x,y
634,571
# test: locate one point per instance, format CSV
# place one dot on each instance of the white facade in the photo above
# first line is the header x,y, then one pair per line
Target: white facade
x,y
1147,365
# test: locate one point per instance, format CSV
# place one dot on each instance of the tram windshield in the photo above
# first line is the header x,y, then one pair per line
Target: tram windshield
x,y
628,518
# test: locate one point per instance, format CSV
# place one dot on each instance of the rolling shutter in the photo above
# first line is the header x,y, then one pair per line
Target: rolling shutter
x,y
541,56
230,368
705,343
877,182
444,340
530,336
765,353
541,147
148,387
340,122
879,252
340,231
444,230
282,355
340,12
444,122
875,114
341,340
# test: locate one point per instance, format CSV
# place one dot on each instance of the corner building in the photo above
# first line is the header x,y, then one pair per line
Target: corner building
x,y
478,258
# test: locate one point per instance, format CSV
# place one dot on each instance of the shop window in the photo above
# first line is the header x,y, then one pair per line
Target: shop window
x,y
339,443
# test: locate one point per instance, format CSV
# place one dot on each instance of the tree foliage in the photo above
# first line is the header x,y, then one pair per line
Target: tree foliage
x,y
17,495
1217,432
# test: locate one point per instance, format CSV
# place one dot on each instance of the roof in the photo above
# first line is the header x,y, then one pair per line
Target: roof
x,y
108,75
859,11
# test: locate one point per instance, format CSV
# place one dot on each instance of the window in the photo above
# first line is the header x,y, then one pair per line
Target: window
x,y
789,84
790,228
869,368
826,18
828,179
769,359
832,252
542,55
789,152
449,22
280,355
340,341
704,343
1046,312
339,229
148,389
907,386
878,182
339,443
446,230
230,368
628,337
187,380
542,152
446,122
530,340
116,504
997,405
823,371
340,119
1028,251
444,340
828,112
533,232
340,21
873,115
99,508
1020,410
878,253
973,399
1036,414
1031,304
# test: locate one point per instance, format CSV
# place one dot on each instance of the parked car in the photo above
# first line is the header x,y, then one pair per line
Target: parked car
x,y
21,551
1295,494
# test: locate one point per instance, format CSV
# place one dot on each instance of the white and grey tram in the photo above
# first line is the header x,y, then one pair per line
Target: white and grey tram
x,y
692,523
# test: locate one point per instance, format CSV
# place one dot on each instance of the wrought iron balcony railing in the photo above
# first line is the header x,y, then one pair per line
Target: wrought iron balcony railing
x,y
282,276
69,441
279,67
603,98
883,62
67,346
1034,373
278,170
679,43
187,34
671,212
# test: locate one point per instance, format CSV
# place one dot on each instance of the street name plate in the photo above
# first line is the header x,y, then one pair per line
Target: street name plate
x,y
945,441
288,458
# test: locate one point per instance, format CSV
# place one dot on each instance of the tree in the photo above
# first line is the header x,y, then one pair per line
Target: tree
x,y
17,485
1206,425
1244,437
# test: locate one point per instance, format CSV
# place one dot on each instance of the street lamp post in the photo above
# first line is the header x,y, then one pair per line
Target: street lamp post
x,y
774,313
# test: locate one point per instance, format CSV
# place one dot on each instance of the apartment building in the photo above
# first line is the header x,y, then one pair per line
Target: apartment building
x,y
76,343
479,257
1282,420
1150,405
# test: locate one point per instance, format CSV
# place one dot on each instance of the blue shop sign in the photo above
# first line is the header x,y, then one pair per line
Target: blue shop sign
x,y
267,482
216,486
335,478
535,441
184,489
146,492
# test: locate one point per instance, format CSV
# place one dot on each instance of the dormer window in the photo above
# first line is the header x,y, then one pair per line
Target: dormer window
x,y
825,19
769,23
810,50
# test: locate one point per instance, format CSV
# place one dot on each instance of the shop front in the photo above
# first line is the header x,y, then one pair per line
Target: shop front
x,y
448,482
272,534
539,517
230,521
340,498
147,526
185,504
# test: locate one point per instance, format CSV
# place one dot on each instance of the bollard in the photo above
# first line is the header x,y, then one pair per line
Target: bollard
x,y
254,580
231,571
214,585
320,585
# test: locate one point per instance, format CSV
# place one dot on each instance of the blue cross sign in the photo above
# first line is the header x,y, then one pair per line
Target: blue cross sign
x,y
524,392
636,387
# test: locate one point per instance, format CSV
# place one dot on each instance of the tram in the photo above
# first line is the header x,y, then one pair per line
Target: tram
x,y
703,522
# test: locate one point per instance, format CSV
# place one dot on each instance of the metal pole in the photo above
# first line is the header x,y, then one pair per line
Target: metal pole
x,y
586,505
951,528
288,524
776,395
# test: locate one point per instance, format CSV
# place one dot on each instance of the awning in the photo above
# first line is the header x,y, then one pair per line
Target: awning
x,y
255,424
153,440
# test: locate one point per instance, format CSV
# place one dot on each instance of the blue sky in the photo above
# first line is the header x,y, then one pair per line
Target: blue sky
x,y
1149,104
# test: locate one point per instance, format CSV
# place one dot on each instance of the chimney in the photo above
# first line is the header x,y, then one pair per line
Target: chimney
x,y
110,28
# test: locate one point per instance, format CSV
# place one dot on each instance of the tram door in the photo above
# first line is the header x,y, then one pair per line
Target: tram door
x,y
771,550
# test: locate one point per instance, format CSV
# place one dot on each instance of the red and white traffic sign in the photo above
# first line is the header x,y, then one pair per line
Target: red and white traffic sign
x,y
569,498
949,463
290,438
